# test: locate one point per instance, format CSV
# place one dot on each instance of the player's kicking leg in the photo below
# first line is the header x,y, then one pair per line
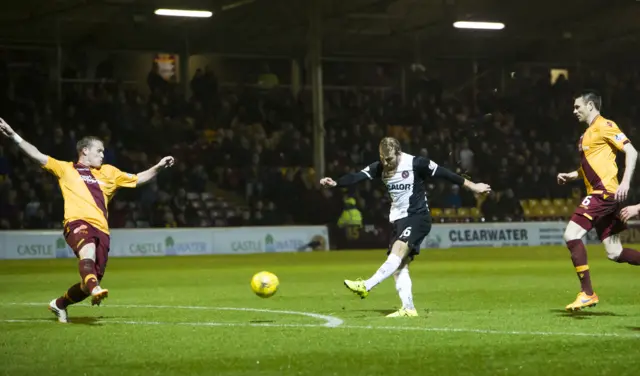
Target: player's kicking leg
x,y
80,291
398,252
576,230
403,286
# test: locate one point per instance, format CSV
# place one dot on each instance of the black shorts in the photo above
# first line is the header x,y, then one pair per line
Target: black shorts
x,y
412,230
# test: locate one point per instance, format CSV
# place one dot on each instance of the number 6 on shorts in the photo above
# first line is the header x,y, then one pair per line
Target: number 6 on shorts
x,y
586,201
407,232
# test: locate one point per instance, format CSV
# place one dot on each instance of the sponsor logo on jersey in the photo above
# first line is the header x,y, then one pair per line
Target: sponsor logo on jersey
x,y
399,187
90,179
405,174
620,136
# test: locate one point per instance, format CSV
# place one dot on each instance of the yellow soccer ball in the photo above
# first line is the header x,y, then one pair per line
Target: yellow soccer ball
x,y
264,284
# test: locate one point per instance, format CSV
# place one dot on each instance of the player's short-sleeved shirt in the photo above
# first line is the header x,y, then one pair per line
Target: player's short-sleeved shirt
x,y
87,191
598,147
405,186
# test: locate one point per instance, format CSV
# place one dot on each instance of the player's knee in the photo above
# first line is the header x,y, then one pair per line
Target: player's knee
x,y
88,251
573,232
613,247
400,248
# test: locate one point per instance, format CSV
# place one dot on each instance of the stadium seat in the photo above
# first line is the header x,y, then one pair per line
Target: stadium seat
x,y
206,196
476,213
449,213
533,203
572,202
536,212
527,213
524,204
436,212
559,202
545,202
464,213
550,211
566,211
192,196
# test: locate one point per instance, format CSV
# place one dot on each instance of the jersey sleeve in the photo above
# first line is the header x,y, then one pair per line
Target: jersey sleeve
x,y
613,135
424,166
373,170
123,179
55,167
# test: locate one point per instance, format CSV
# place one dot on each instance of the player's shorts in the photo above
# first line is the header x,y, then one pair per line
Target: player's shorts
x,y
79,233
412,230
600,213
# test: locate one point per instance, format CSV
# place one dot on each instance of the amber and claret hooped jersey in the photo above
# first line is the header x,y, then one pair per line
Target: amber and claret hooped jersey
x,y
87,191
598,147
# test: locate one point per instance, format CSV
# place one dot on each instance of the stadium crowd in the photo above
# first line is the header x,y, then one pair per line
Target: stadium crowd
x,y
244,154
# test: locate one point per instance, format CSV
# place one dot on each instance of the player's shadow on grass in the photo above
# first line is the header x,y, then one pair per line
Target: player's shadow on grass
x,y
583,315
84,320
382,312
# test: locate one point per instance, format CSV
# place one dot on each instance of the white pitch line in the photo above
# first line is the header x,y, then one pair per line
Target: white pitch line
x,y
368,327
331,321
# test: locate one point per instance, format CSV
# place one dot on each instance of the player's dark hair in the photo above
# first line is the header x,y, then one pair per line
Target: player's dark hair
x,y
389,146
86,142
591,96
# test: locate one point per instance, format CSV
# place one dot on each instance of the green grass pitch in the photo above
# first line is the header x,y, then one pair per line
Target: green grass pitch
x,y
483,312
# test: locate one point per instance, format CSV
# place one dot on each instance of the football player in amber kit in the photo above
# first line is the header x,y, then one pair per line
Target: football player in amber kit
x,y
600,209
87,187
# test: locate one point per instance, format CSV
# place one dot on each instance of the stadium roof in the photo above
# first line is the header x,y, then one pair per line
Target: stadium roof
x,y
542,29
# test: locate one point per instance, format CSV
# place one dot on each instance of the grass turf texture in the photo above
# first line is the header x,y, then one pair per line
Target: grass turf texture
x,y
483,312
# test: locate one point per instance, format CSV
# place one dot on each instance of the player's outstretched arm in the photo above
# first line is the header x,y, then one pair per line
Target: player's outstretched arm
x,y
565,177
630,159
370,172
345,180
148,175
26,147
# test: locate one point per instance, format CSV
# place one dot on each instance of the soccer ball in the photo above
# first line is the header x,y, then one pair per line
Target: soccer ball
x,y
264,284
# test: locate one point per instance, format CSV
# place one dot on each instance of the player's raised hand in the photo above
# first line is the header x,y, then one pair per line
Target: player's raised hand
x,y
629,212
481,188
623,191
327,182
563,178
166,162
6,129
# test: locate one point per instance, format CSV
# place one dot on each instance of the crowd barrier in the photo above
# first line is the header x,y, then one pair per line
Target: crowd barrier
x,y
245,240
487,234
172,241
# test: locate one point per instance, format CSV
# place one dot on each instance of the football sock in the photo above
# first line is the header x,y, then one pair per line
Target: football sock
x,y
75,294
403,286
630,256
87,269
579,258
385,271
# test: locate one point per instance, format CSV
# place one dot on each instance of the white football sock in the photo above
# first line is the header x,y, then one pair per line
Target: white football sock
x,y
403,286
385,271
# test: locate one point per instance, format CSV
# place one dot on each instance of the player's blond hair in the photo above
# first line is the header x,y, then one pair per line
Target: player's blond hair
x,y
86,142
390,146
